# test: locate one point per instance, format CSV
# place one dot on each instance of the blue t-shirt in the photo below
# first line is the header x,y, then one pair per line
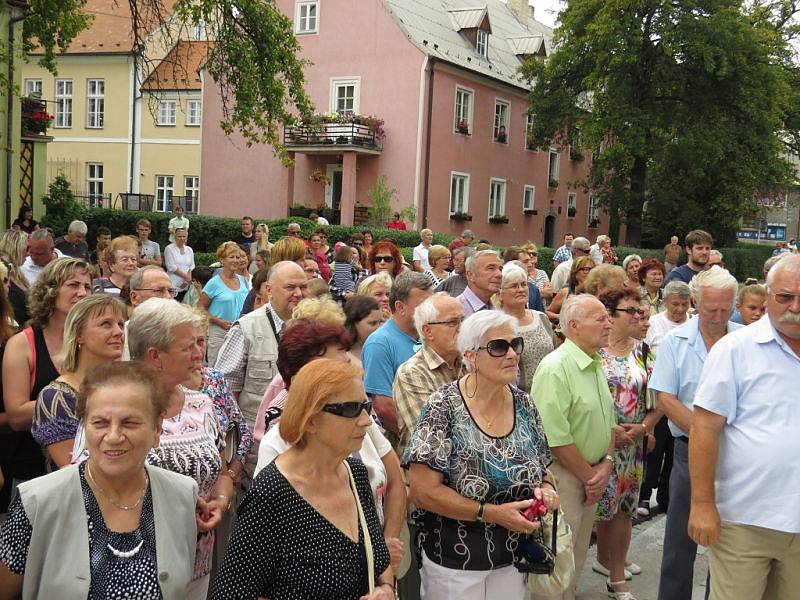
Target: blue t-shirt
x,y
384,351
683,273
225,302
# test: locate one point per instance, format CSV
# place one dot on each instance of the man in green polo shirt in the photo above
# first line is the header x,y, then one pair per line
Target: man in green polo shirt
x,y
571,393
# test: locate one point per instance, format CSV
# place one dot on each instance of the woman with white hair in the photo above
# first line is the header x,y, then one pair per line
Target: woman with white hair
x,y
378,286
534,326
477,458
677,300
631,264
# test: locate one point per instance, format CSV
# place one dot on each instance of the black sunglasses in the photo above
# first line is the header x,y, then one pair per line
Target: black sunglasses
x,y
387,259
349,410
499,348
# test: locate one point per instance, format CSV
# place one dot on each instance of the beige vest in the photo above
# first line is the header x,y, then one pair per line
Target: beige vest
x,y
261,348
58,555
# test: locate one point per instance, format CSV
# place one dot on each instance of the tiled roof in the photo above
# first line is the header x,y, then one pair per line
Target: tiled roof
x,y
180,68
428,24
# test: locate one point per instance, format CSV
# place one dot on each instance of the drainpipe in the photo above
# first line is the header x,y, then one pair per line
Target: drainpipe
x,y
428,136
13,20
137,51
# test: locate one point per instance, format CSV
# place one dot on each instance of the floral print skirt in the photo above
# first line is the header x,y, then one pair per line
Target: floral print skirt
x,y
622,492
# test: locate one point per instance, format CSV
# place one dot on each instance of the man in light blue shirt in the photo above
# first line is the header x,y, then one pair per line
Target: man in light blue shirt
x,y
676,375
745,431
484,271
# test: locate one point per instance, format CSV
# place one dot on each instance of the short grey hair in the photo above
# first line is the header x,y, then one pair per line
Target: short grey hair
x,y
467,233
472,261
152,324
428,312
513,273
382,278
717,278
629,259
40,234
78,227
678,289
602,239
404,283
477,324
293,225
786,262
771,262
715,253
467,251
572,309
137,279
580,243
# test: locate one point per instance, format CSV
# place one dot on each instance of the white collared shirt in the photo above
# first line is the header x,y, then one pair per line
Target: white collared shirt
x,y
750,378
31,271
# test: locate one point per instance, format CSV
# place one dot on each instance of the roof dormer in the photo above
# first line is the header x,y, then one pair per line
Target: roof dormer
x,y
473,24
527,46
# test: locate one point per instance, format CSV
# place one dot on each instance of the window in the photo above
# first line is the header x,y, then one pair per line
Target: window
x,y
459,193
200,31
94,184
164,189
191,190
529,132
194,112
167,110
497,198
63,103
482,43
501,121
344,95
594,209
463,117
552,171
527,197
95,103
306,20
572,208
33,88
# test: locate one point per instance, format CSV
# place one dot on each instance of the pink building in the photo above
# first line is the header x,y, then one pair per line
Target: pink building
x,y
443,77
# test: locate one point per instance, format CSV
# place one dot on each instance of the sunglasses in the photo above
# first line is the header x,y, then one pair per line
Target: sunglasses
x,y
631,311
349,410
386,259
359,244
499,348
532,254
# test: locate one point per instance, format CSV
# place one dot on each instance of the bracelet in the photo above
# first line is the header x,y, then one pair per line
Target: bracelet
x,y
644,426
610,459
548,483
481,510
232,474
219,496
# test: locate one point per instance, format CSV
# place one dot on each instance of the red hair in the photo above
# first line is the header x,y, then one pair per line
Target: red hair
x,y
304,341
382,247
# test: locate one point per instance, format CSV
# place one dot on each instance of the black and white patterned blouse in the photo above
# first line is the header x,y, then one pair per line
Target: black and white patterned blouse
x,y
283,549
122,565
478,466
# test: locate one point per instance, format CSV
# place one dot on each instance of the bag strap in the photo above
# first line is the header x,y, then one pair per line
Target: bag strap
x,y
367,540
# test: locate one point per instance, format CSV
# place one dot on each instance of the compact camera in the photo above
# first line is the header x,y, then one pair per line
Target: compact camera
x,y
533,556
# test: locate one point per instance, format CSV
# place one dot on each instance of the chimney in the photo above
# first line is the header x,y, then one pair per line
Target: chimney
x,y
522,11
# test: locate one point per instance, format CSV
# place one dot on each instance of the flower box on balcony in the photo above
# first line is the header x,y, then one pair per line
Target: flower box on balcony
x,y
571,212
342,139
553,183
462,128
530,211
531,146
501,139
498,219
460,216
594,223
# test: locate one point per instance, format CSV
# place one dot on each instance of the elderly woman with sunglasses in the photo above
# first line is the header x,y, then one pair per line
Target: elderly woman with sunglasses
x,y
477,458
308,526
384,257
627,369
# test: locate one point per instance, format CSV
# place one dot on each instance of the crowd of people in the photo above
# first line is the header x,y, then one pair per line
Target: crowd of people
x,y
313,420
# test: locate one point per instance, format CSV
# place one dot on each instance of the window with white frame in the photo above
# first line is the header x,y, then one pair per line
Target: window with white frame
x,y
167,112
572,204
95,103
482,43
497,198
194,112
94,184
306,18
33,88
529,132
463,113
63,103
594,209
552,168
501,121
191,191
344,95
459,193
164,192
528,196
200,31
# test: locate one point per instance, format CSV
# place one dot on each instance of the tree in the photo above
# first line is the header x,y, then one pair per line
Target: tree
x,y
682,104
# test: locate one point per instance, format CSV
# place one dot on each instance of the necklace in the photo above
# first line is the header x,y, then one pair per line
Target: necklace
x,y
110,499
489,422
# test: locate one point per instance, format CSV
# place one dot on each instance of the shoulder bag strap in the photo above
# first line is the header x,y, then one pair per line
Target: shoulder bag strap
x,y
367,540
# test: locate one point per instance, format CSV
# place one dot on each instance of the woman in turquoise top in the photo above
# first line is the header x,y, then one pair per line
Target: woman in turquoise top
x,y
222,297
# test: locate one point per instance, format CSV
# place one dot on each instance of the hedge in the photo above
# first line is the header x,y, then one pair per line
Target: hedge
x,y
206,233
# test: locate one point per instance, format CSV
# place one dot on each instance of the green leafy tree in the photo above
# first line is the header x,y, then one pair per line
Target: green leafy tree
x,y
684,105
60,201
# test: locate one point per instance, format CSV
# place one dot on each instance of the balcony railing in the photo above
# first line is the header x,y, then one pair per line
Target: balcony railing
x,y
332,135
94,200
35,118
149,202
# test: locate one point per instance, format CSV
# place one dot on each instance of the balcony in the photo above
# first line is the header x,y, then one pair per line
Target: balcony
x,y
334,138
149,203
35,119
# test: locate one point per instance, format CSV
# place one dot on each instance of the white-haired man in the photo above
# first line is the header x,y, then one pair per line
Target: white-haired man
x,y
676,375
744,449
420,259
571,393
484,271
73,243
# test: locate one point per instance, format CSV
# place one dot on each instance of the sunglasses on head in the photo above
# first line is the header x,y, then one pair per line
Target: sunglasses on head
x,y
387,259
499,348
349,410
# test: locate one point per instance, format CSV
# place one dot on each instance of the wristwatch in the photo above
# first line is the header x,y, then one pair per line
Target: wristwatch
x,y
610,459
481,510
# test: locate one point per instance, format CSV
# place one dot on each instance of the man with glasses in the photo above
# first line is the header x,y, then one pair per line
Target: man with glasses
x,y
580,247
484,275
676,375
571,393
149,251
148,282
744,448
293,230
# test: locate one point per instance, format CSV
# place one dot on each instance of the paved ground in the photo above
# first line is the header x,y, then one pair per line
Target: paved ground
x,y
646,545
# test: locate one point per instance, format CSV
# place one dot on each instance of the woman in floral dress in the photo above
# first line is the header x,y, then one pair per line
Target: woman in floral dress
x,y
627,370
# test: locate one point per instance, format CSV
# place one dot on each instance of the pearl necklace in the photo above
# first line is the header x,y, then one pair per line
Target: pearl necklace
x,y
110,499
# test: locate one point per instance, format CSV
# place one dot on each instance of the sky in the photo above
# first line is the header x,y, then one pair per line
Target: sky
x,y
546,11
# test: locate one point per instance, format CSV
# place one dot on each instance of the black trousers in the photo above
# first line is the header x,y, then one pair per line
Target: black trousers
x,y
658,466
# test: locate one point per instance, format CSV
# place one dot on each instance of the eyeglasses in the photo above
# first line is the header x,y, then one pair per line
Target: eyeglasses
x,y
585,270
160,291
386,259
516,286
358,244
499,348
631,311
785,297
349,410
452,323
532,254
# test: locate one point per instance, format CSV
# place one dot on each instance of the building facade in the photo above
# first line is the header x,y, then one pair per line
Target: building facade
x,y
429,96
